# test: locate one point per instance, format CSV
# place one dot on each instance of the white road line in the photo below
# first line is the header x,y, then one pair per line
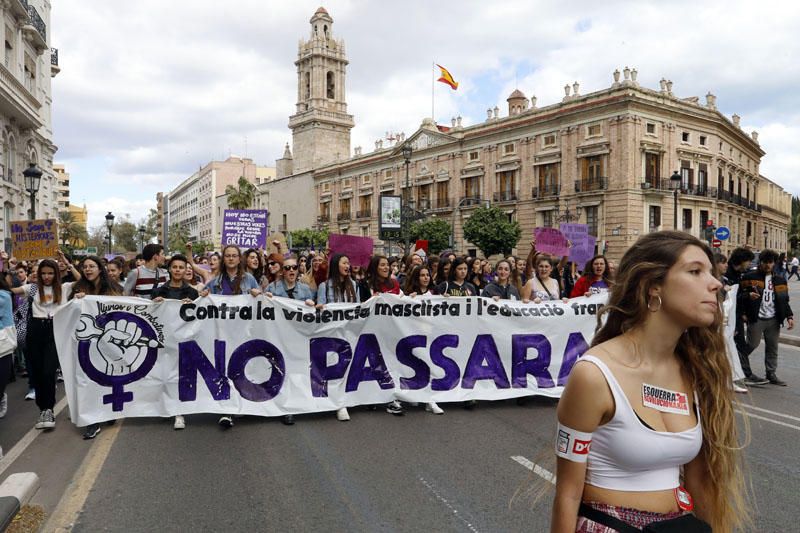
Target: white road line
x,y
751,415
438,496
774,413
536,469
26,440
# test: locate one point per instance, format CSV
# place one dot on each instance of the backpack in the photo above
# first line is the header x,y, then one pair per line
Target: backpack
x,y
22,316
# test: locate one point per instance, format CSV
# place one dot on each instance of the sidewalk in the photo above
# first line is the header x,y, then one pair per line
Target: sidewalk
x,y
794,340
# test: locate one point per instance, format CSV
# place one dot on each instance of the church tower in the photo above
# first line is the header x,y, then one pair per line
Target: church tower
x,y
320,126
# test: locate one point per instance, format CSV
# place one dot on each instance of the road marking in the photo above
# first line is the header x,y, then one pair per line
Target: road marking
x,y
442,499
27,439
536,469
759,417
775,413
71,504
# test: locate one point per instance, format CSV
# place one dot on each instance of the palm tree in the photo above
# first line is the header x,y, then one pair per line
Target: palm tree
x,y
241,197
178,237
71,232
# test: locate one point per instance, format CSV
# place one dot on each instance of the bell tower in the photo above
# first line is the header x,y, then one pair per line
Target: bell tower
x,y
320,126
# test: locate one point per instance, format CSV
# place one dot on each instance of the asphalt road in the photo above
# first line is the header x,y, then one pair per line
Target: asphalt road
x,y
456,472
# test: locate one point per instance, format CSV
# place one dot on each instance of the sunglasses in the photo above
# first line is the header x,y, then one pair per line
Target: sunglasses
x,y
289,267
271,263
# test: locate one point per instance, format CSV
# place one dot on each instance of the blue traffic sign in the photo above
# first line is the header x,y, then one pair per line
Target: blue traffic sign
x,y
722,233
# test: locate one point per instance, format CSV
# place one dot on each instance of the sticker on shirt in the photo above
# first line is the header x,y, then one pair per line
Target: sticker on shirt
x,y
665,400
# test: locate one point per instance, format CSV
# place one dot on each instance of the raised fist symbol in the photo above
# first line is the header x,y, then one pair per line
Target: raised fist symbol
x,y
119,347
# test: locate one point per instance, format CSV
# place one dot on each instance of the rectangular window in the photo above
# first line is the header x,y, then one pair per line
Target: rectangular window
x,y
687,175
326,187
472,187
652,168
366,179
650,128
549,140
702,177
702,140
703,221
387,174
423,197
474,155
687,219
749,229
442,194
548,179
508,149
655,217
365,205
547,219
344,206
593,131
506,182
685,136
346,183
592,167
591,219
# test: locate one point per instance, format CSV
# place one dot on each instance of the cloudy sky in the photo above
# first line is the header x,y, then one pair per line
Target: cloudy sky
x,y
151,90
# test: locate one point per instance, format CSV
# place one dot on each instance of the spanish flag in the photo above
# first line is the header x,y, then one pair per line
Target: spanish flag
x,y
447,78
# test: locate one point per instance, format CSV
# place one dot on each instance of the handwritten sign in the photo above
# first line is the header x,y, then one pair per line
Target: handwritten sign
x,y
34,239
246,228
582,243
551,241
358,249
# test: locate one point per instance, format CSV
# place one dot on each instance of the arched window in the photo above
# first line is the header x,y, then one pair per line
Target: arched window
x,y
8,151
325,29
8,209
330,85
308,85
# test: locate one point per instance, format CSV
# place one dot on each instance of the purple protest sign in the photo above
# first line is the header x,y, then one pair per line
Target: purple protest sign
x,y
358,249
582,250
551,241
246,228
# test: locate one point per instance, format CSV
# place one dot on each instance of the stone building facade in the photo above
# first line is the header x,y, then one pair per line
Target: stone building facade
x,y
62,187
26,131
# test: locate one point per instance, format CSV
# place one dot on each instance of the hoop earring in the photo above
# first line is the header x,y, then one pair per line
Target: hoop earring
x,y
657,308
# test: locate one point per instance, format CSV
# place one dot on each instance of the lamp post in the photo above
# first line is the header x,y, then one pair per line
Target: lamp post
x,y
567,216
406,204
766,234
142,231
33,177
109,225
456,209
675,183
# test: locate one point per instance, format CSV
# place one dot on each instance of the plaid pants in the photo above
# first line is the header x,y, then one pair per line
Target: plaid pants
x,y
633,517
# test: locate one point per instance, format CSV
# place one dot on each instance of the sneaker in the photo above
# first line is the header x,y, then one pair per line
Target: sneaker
x,y
737,387
180,423
226,421
342,415
394,408
3,405
91,431
31,395
59,376
774,380
46,420
288,420
431,407
753,379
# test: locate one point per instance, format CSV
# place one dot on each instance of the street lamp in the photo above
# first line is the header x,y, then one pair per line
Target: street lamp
x,y
109,225
766,233
142,231
33,177
567,216
406,204
675,183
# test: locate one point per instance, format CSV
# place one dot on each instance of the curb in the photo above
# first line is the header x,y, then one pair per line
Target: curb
x,y
790,339
16,491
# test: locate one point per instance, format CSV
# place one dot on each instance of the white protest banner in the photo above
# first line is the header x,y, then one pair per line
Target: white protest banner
x,y
125,357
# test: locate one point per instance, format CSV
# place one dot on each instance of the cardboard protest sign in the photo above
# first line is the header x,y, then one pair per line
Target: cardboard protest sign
x,y
358,249
246,228
551,241
34,239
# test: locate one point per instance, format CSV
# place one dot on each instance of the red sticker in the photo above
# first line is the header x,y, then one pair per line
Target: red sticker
x,y
581,447
684,499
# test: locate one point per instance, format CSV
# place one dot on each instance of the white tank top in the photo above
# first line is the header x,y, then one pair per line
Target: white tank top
x,y
627,455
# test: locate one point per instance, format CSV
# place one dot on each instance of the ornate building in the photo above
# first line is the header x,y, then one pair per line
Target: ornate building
x,y
26,131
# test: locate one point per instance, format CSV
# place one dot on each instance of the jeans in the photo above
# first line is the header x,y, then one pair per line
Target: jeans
x,y
770,330
794,272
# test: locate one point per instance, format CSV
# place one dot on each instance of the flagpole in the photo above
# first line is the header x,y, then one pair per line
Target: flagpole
x,y
433,75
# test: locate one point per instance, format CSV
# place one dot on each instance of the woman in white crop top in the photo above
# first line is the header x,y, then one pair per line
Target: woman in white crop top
x,y
647,414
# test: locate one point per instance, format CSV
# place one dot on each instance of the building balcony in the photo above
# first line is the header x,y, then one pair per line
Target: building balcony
x,y
323,219
54,68
343,217
466,201
505,196
442,203
36,30
387,186
656,184
547,190
364,213
17,102
19,8
591,184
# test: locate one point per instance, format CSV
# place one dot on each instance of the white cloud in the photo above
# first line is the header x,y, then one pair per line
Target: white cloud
x,y
154,89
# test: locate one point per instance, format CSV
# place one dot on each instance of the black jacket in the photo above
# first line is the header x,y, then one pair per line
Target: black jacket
x,y
176,293
752,282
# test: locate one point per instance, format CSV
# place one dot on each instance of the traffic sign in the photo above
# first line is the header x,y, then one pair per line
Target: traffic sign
x,y
722,233
91,250
716,243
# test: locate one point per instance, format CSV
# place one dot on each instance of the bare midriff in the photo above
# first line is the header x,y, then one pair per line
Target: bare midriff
x,y
657,501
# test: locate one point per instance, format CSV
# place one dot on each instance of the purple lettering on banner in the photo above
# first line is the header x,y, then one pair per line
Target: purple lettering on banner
x,y
368,350
192,360
450,367
551,241
405,355
521,366
484,350
576,347
321,373
257,392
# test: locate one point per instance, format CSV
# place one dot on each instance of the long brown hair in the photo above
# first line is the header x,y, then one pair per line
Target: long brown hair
x,y
49,263
702,354
236,286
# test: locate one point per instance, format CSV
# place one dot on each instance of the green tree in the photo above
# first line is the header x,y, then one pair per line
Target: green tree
x,y
241,197
98,238
436,231
489,229
306,238
70,231
178,237
125,234
794,230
